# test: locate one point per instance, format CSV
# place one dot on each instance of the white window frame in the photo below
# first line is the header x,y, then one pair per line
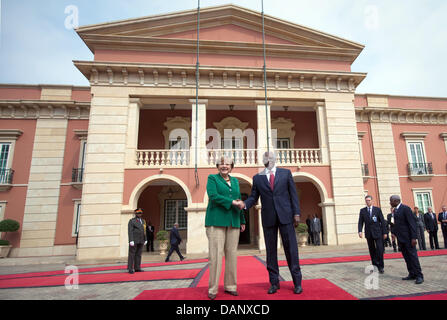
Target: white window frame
x,y
415,137
10,137
428,191
76,217
176,217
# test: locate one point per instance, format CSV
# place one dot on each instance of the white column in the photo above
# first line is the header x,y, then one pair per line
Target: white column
x,y
322,132
197,241
133,123
264,127
198,131
261,242
329,223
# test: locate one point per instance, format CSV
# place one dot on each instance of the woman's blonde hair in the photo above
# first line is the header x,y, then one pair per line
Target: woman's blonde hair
x,y
223,160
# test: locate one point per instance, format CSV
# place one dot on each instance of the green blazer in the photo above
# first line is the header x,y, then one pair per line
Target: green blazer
x,y
220,211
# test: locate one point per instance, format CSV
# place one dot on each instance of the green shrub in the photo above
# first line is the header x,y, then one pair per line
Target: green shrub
x,y
162,235
302,228
4,243
9,225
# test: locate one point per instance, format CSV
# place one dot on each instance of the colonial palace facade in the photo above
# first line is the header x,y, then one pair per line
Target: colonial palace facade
x,y
76,161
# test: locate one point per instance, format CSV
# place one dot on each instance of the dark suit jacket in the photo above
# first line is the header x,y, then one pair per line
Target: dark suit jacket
x,y
283,200
150,230
440,218
174,237
375,226
136,231
404,224
431,224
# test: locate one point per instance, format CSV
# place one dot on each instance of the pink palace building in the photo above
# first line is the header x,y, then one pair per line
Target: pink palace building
x,y
76,161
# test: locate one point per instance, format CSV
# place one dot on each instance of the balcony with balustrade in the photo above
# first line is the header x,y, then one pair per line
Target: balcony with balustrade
x,y
168,142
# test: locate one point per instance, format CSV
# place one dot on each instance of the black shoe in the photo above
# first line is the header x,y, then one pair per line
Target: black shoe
x,y
273,288
212,296
233,293
419,280
139,270
131,271
166,260
381,271
298,290
409,278
182,258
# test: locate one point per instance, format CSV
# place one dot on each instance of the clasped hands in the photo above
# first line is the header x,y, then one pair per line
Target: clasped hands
x,y
239,203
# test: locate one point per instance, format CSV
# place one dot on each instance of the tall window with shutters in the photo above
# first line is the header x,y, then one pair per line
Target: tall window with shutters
x,y
175,212
5,148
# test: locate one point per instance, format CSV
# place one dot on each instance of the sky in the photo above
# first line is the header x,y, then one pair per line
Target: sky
x,y
405,40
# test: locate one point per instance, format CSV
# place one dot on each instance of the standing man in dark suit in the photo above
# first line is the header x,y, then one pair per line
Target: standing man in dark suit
x,y
315,227
442,217
137,240
406,232
150,230
431,224
175,241
375,231
280,210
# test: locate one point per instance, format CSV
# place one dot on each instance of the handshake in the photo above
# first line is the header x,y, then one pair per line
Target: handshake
x,y
239,203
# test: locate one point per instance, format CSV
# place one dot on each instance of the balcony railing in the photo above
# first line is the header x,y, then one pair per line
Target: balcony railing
x,y
420,169
6,176
162,158
77,174
298,156
241,157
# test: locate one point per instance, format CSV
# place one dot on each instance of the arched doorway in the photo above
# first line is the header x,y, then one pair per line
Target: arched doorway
x,y
163,200
314,200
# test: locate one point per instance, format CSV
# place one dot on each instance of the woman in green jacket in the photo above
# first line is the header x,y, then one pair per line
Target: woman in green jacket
x,y
224,221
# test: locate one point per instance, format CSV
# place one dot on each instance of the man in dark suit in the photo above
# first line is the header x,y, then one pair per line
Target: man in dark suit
x,y
150,230
375,231
315,227
137,240
175,240
280,210
431,224
406,233
442,217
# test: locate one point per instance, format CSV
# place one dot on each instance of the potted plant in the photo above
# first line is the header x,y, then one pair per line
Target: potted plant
x,y
162,238
301,232
7,226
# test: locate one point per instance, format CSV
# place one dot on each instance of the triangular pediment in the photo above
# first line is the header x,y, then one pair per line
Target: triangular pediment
x,y
220,25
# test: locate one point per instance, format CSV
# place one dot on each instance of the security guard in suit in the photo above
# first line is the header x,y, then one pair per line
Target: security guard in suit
x,y
137,240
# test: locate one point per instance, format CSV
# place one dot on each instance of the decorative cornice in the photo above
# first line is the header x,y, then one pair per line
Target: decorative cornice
x,y
41,109
81,134
413,116
10,134
184,76
414,135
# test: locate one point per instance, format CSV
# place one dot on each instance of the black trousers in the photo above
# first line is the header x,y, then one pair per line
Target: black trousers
x,y
134,258
172,249
288,237
150,245
444,234
411,259
433,236
375,247
421,237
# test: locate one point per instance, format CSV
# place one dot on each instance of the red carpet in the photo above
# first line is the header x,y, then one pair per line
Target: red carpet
x,y
317,289
99,278
395,255
252,284
96,269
